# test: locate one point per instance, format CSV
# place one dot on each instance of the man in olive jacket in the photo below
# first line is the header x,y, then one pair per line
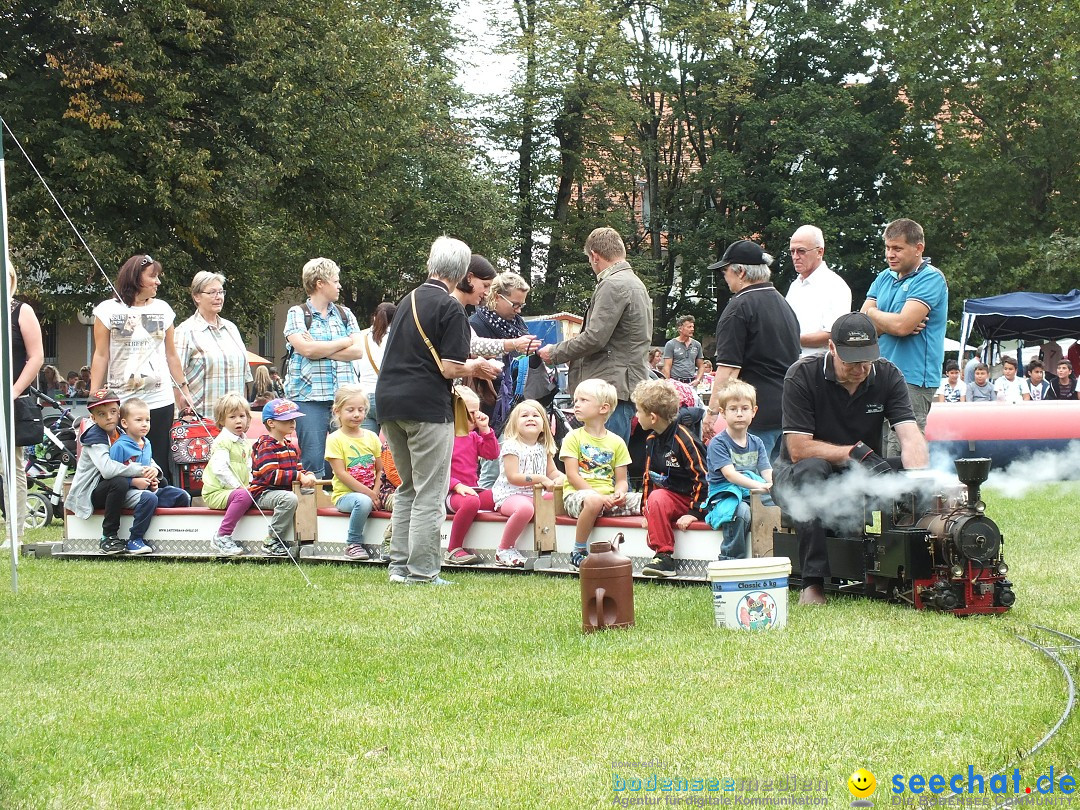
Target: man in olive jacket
x,y
617,331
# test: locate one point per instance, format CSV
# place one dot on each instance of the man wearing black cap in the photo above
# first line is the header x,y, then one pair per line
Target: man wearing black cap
x,y
834,407
757,338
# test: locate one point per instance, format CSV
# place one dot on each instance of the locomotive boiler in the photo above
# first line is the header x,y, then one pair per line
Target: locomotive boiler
x,y
934,549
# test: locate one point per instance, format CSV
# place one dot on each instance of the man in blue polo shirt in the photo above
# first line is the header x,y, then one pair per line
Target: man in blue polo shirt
x,y
908,305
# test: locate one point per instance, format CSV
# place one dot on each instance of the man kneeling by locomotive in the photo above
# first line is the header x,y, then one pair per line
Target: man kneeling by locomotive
x,y
833,412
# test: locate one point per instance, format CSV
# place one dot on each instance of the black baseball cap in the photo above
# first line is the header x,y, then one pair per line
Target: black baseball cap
x,y
855,338
742,252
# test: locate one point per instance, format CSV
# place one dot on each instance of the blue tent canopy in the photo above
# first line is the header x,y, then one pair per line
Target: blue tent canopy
x,y
1026,316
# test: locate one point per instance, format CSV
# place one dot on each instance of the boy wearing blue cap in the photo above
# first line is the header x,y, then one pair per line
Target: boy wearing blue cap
x,y
275,466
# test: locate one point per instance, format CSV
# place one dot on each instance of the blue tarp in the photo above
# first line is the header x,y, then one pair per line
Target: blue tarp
x,y
1027,316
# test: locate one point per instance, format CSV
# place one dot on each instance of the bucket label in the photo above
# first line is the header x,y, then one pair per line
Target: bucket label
x,y
750,585
756,611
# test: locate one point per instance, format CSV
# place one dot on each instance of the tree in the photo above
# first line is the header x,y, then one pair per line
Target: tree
x,y
244,136
994,107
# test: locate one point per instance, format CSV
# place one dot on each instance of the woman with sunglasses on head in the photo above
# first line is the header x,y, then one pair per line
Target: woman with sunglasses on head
x,y
135,351
210,347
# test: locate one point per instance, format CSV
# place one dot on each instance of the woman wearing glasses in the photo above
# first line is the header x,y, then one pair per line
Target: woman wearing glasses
x,y
498,326
210,347
134,350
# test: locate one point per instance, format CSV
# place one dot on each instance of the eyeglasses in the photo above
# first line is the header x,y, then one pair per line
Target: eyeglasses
x,y
214,293
801,251
147,259
513,304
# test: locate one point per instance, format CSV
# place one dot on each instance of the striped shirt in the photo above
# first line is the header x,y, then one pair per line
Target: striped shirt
x,y
214,359
317,380
275,465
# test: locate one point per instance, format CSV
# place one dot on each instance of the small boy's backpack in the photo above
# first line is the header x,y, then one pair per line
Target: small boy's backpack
x,y
289,351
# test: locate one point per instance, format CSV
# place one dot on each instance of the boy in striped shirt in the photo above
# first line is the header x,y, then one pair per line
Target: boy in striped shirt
x,y
275,465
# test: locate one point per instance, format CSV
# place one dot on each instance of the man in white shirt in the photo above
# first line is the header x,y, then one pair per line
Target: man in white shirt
x,y
819,296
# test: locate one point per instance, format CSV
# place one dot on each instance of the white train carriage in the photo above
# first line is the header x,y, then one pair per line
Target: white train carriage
x,y
321,531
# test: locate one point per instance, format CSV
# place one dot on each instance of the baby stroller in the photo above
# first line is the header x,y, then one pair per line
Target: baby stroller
x,y
48,465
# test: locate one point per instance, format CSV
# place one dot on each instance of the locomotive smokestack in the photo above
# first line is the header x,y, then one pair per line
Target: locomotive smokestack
x,y
972,472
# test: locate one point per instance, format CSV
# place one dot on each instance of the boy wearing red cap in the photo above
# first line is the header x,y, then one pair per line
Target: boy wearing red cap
x,y
274,467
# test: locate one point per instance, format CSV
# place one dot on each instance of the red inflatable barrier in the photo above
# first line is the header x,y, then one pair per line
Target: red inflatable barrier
x,y
999,421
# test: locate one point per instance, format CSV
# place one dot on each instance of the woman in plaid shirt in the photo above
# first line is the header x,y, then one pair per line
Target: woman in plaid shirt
x,y
320,358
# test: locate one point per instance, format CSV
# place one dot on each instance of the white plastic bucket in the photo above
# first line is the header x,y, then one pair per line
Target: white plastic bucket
x,y
750,594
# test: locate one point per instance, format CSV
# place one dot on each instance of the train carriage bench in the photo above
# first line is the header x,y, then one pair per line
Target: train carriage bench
x,y
321,531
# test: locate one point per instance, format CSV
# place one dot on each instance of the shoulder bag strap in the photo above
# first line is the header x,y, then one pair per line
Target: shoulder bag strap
x,y
367,346
435,354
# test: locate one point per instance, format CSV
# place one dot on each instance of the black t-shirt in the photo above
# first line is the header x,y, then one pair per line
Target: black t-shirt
x,y
758,334
410,385
18,345
818,406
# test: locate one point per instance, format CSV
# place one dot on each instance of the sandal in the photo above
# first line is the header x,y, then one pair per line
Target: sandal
x,y
460,556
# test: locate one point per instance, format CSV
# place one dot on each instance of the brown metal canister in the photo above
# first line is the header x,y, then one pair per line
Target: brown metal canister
x,y
607,587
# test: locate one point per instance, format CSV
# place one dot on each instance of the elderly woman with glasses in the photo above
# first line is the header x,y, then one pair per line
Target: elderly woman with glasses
x,y
211,350
135,351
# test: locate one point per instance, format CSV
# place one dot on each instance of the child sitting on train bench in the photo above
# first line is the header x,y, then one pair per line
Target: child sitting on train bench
x,y
738,465
675,472
275,466
134,448
100,482
228,471
596,461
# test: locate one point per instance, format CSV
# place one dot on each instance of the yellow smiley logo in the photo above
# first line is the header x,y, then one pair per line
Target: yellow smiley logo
x,y
861,783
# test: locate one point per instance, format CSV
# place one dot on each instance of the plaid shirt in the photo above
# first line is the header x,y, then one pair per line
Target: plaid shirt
x,y
275,465
214,360
317,380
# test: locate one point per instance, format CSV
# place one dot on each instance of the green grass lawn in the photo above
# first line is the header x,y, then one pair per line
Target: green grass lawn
x,y
153,684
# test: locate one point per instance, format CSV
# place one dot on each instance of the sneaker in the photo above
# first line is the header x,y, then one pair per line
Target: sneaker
x,y
398,579
273,547
662,565
226,546
439,581
460,556
355,551
112,545
509,558
577,557
137,547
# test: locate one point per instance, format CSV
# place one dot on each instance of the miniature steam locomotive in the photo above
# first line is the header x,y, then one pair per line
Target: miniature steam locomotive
x,y
935,550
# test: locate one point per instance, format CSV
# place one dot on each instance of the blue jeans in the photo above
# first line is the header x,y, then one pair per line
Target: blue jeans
x,y
619,421
311,430
371,421
771,440
148,504
358,506
736,544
